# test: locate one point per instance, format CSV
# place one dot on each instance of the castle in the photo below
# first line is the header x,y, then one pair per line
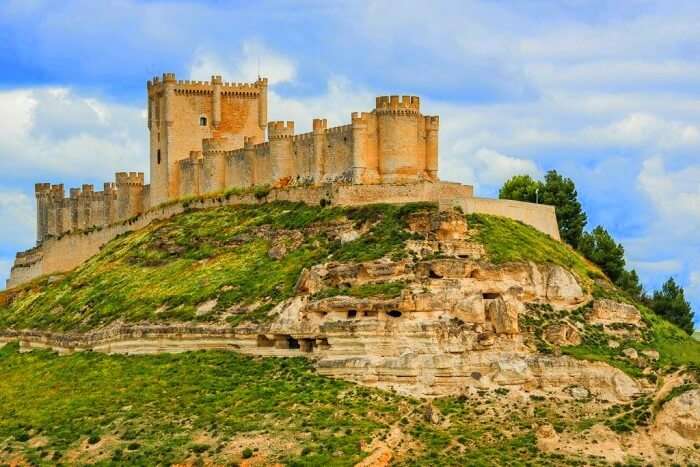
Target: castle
x,y
207,137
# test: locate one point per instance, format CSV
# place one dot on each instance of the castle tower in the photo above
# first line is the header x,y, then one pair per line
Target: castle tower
x,y
432,125
129,194
183,113
398,144
280,136
42,191
214,164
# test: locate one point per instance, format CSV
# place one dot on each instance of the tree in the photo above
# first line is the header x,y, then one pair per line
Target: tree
x,y
557,191
601,248
521,188
561,192
670,303
629,282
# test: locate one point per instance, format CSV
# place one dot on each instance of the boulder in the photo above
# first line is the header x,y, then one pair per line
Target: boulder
x,y
630,353
562,334
610,312
561,285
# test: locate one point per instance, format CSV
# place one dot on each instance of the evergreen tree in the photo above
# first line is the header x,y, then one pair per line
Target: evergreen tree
x,y
561,192
629,282
557,191
601,248
521,188
670,303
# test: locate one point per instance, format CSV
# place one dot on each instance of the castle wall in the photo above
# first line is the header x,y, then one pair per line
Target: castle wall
x,y
338,154
57,254
540,216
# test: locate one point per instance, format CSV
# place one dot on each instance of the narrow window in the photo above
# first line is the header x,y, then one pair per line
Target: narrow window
x,y
202,121
158,156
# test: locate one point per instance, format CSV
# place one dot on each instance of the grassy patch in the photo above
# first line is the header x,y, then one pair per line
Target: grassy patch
x,y
386,290
164,272
507,240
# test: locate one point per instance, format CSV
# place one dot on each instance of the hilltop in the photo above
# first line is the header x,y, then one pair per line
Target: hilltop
x,y
412,333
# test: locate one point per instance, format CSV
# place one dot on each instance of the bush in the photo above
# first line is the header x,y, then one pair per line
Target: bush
x,y
247,453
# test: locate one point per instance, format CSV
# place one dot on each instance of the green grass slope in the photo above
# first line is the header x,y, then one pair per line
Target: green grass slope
x,y
222,407
163,272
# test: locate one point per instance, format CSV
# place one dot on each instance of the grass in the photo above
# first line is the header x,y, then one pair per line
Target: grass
x,y
165,271
507,240
209,406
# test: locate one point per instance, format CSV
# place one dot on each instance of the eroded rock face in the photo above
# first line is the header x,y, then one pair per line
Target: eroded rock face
x,y
562,334
610,312
678,422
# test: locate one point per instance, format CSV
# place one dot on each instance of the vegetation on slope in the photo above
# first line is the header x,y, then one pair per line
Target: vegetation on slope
x,y
506,240
221,407
165,271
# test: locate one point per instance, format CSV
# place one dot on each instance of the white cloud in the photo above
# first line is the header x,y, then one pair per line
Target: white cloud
x,y
57,133
675,195
19,218
253,60
645,129
668,266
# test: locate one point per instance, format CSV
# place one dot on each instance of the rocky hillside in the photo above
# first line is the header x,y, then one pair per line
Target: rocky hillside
x,y
474,339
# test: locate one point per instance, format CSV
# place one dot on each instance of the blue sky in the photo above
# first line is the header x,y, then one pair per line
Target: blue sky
x,y
606,92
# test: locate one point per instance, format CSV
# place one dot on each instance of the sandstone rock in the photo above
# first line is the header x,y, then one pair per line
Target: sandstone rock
x,y
577,392
471,309
608,312
503,316
630,353
562,334
431,414
547,438
613,344
206,307
678,422
651,354
561,285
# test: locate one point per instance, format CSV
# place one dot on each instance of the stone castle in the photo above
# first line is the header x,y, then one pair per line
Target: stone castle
x,y
209,137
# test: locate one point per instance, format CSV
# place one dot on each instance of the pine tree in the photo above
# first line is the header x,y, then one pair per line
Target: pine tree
x,y
600,247
670,303
561,192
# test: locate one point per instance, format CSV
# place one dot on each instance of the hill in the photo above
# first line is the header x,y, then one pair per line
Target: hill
x,y
471,337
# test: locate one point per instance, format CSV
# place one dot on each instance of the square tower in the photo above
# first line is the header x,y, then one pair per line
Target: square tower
x,y
183,113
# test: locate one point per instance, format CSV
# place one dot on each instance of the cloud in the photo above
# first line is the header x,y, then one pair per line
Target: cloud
x,y
19,218
669,266
674,194
58,133
645,129
252,61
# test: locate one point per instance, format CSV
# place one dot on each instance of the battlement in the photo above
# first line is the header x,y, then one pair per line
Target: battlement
x,y
280,129
207,87
360,118
42,188
129,178
216,145
406,104
109,187
432,122
319,124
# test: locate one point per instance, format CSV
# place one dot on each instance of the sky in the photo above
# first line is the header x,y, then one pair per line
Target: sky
x,y
605,92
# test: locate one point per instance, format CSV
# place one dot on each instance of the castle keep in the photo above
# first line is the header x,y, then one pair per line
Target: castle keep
x,y
208,137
